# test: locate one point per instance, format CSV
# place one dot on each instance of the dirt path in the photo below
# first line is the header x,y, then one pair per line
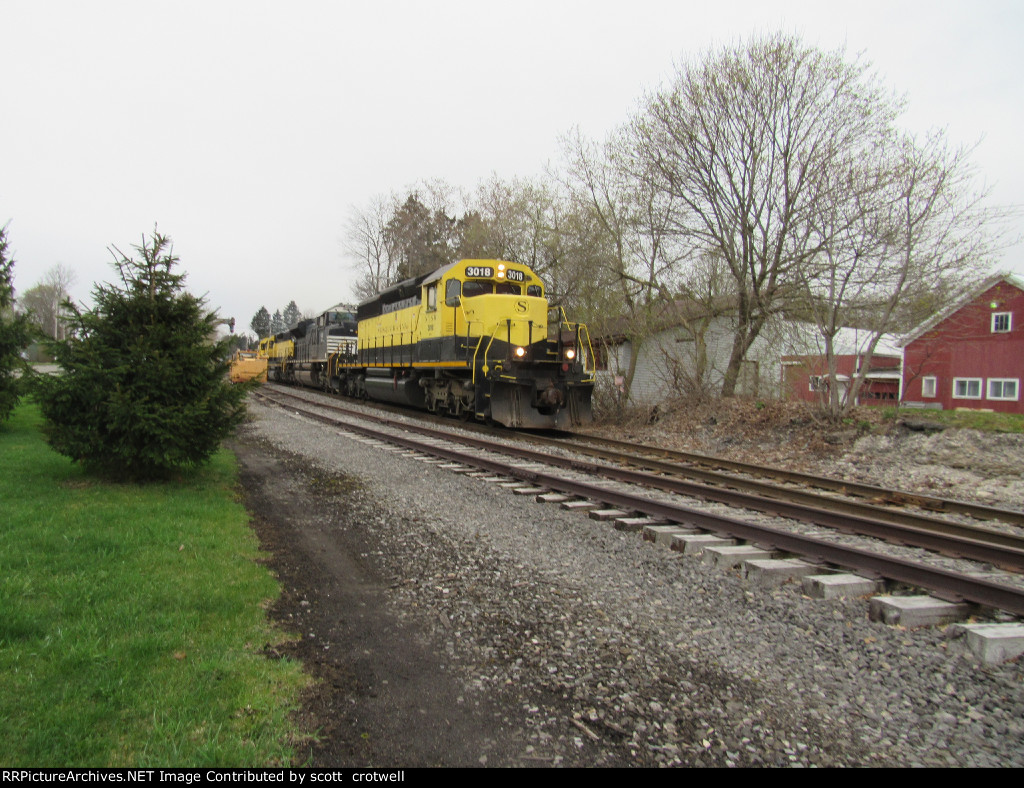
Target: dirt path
x,y
383,696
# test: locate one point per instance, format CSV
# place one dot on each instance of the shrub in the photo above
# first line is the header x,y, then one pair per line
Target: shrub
x,y
15,335
144,390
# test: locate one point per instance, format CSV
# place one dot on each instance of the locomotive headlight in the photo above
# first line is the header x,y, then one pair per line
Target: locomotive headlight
x,y
520,352
570,354
501,272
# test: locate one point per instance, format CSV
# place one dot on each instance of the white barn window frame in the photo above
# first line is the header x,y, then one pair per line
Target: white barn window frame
x,y
1004,389
967,388
930,386
1002,322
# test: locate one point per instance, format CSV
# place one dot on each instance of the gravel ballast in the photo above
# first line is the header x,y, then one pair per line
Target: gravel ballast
x,y
593,647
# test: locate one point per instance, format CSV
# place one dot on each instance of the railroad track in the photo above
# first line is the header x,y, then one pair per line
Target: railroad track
x,y
656,458
561,472
869,500
751,493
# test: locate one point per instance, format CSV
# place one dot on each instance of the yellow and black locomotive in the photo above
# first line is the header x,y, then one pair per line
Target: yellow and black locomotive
x,y
475,339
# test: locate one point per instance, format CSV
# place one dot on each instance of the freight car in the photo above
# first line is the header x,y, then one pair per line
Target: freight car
x,y
474,339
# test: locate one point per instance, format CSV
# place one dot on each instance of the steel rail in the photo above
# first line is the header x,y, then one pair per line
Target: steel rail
x,y
954,539
687,460
933,503
815,500
951,585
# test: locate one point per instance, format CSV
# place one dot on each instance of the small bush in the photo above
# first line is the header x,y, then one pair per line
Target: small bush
x,y
14,335
144,390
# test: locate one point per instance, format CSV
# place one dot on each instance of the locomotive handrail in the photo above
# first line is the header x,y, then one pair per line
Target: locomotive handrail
x,y
486,351
479,342
582,334
592,370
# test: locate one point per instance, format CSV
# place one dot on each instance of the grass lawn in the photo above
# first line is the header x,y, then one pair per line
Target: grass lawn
x,y
967,419
132,619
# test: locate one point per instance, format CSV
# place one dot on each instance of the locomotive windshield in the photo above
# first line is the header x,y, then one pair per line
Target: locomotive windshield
x,y
471,289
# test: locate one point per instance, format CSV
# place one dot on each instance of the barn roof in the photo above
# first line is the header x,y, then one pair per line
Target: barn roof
x,y
975,292
805,339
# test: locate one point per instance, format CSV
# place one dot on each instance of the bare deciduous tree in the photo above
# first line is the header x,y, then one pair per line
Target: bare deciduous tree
x,y
45,300
746,140
367,247
635,257
906,229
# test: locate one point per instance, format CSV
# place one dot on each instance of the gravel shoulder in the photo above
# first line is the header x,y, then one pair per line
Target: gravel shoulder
x,y
451,624
382,695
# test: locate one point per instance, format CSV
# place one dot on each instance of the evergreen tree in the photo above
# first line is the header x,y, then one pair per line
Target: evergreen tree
x,y
145,390
277,323
15,335
261,323
291,315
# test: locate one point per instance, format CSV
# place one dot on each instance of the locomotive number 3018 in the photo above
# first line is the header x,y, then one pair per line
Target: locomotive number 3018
x,y
479,270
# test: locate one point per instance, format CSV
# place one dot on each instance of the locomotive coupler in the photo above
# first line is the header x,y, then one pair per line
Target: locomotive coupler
x,y
550,397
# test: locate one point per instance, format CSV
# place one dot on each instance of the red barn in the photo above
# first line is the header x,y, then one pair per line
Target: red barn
x,y
805,366
971,355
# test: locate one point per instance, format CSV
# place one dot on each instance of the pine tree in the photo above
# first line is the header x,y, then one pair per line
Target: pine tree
x,y
260,323
144,390
15,334
291,315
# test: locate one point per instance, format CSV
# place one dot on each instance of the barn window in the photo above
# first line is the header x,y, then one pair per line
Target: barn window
x,y
966,388
818,383
929,386
1003,388
1002,322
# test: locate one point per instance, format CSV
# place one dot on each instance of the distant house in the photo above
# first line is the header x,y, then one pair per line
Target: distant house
x,y
972,354
687,351
805,366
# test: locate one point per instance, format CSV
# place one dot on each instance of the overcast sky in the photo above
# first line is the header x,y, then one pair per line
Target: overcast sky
x,y
249,130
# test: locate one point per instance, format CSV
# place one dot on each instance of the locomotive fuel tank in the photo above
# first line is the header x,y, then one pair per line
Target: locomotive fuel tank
x,y
397,386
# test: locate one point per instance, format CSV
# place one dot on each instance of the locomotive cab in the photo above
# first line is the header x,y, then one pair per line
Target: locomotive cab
x,y
479,298
526,368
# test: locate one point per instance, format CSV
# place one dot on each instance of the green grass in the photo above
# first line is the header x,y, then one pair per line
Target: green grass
x,y
132,619
967,419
